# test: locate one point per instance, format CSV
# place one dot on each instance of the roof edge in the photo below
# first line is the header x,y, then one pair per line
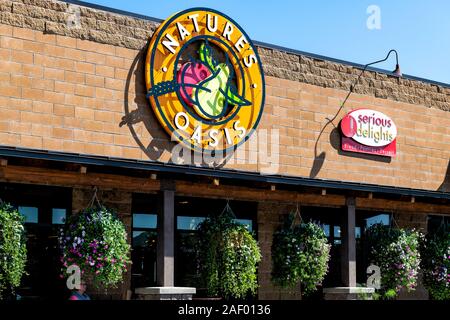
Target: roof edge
x,y
148,165
263,44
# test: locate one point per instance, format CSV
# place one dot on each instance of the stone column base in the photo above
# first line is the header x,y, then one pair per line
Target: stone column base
x,y
165,293
348,293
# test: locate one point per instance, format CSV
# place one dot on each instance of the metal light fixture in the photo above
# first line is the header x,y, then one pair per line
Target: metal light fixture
x,y
396,72
320,158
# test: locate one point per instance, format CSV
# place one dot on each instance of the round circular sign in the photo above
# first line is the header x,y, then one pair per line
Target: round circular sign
x,y
204,80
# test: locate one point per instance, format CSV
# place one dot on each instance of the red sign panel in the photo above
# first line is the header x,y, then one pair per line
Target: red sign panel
x,y
349,144
369,131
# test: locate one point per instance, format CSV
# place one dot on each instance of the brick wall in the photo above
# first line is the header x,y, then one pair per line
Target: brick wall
x,y
82,90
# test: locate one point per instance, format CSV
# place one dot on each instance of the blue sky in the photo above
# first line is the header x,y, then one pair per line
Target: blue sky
x,y
418,30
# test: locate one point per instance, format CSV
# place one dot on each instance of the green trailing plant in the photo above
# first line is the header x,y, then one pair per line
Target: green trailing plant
x,y
13,251
300,253
228,256
96,241
396,252
435,251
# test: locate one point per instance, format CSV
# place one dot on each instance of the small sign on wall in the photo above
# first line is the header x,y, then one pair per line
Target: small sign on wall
x,y
369,131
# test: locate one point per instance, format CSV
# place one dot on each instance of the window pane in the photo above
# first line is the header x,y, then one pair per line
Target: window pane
x,y
438,223
58,216
337,232
326,229
30,214
357,232
246,222
146,221
380,218
189,223
139,238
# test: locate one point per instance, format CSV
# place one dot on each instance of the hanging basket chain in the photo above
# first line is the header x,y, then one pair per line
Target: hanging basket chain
x,y
394,221
442,227
95,199
228,210
298,215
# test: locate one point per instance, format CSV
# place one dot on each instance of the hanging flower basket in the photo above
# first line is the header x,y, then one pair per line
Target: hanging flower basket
x,y
435,251
300,254
228,256
96,241
13,251
396,252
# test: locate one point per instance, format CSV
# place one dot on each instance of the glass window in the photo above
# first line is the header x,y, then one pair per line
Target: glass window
x,y
30,214
143,255
58,216
191,223
142,238
438,223
188,223
246,222
326,229
144,221
381,218
337,231
357,232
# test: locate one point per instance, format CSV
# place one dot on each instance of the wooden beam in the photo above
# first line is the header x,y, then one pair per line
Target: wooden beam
x,y
33,175
384,204
250,194
19,174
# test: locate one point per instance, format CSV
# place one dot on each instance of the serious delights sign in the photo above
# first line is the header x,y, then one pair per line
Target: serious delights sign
x,y
204,80
369,131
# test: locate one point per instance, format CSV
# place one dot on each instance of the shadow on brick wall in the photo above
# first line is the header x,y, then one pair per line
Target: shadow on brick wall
x,y
445,186
159,141
335,142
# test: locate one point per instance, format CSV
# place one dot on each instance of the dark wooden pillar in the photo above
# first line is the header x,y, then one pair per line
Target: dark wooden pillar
x,y
348,266
166,235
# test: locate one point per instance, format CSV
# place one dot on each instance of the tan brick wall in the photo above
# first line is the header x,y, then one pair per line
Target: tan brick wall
x,y
125,31
66,94
62,92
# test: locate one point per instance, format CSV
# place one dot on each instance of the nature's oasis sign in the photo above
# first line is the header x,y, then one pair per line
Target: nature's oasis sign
x,y
204,80
369,131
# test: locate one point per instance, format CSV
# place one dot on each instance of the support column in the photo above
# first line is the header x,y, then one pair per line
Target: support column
x,y
165,247
348,262
166,236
